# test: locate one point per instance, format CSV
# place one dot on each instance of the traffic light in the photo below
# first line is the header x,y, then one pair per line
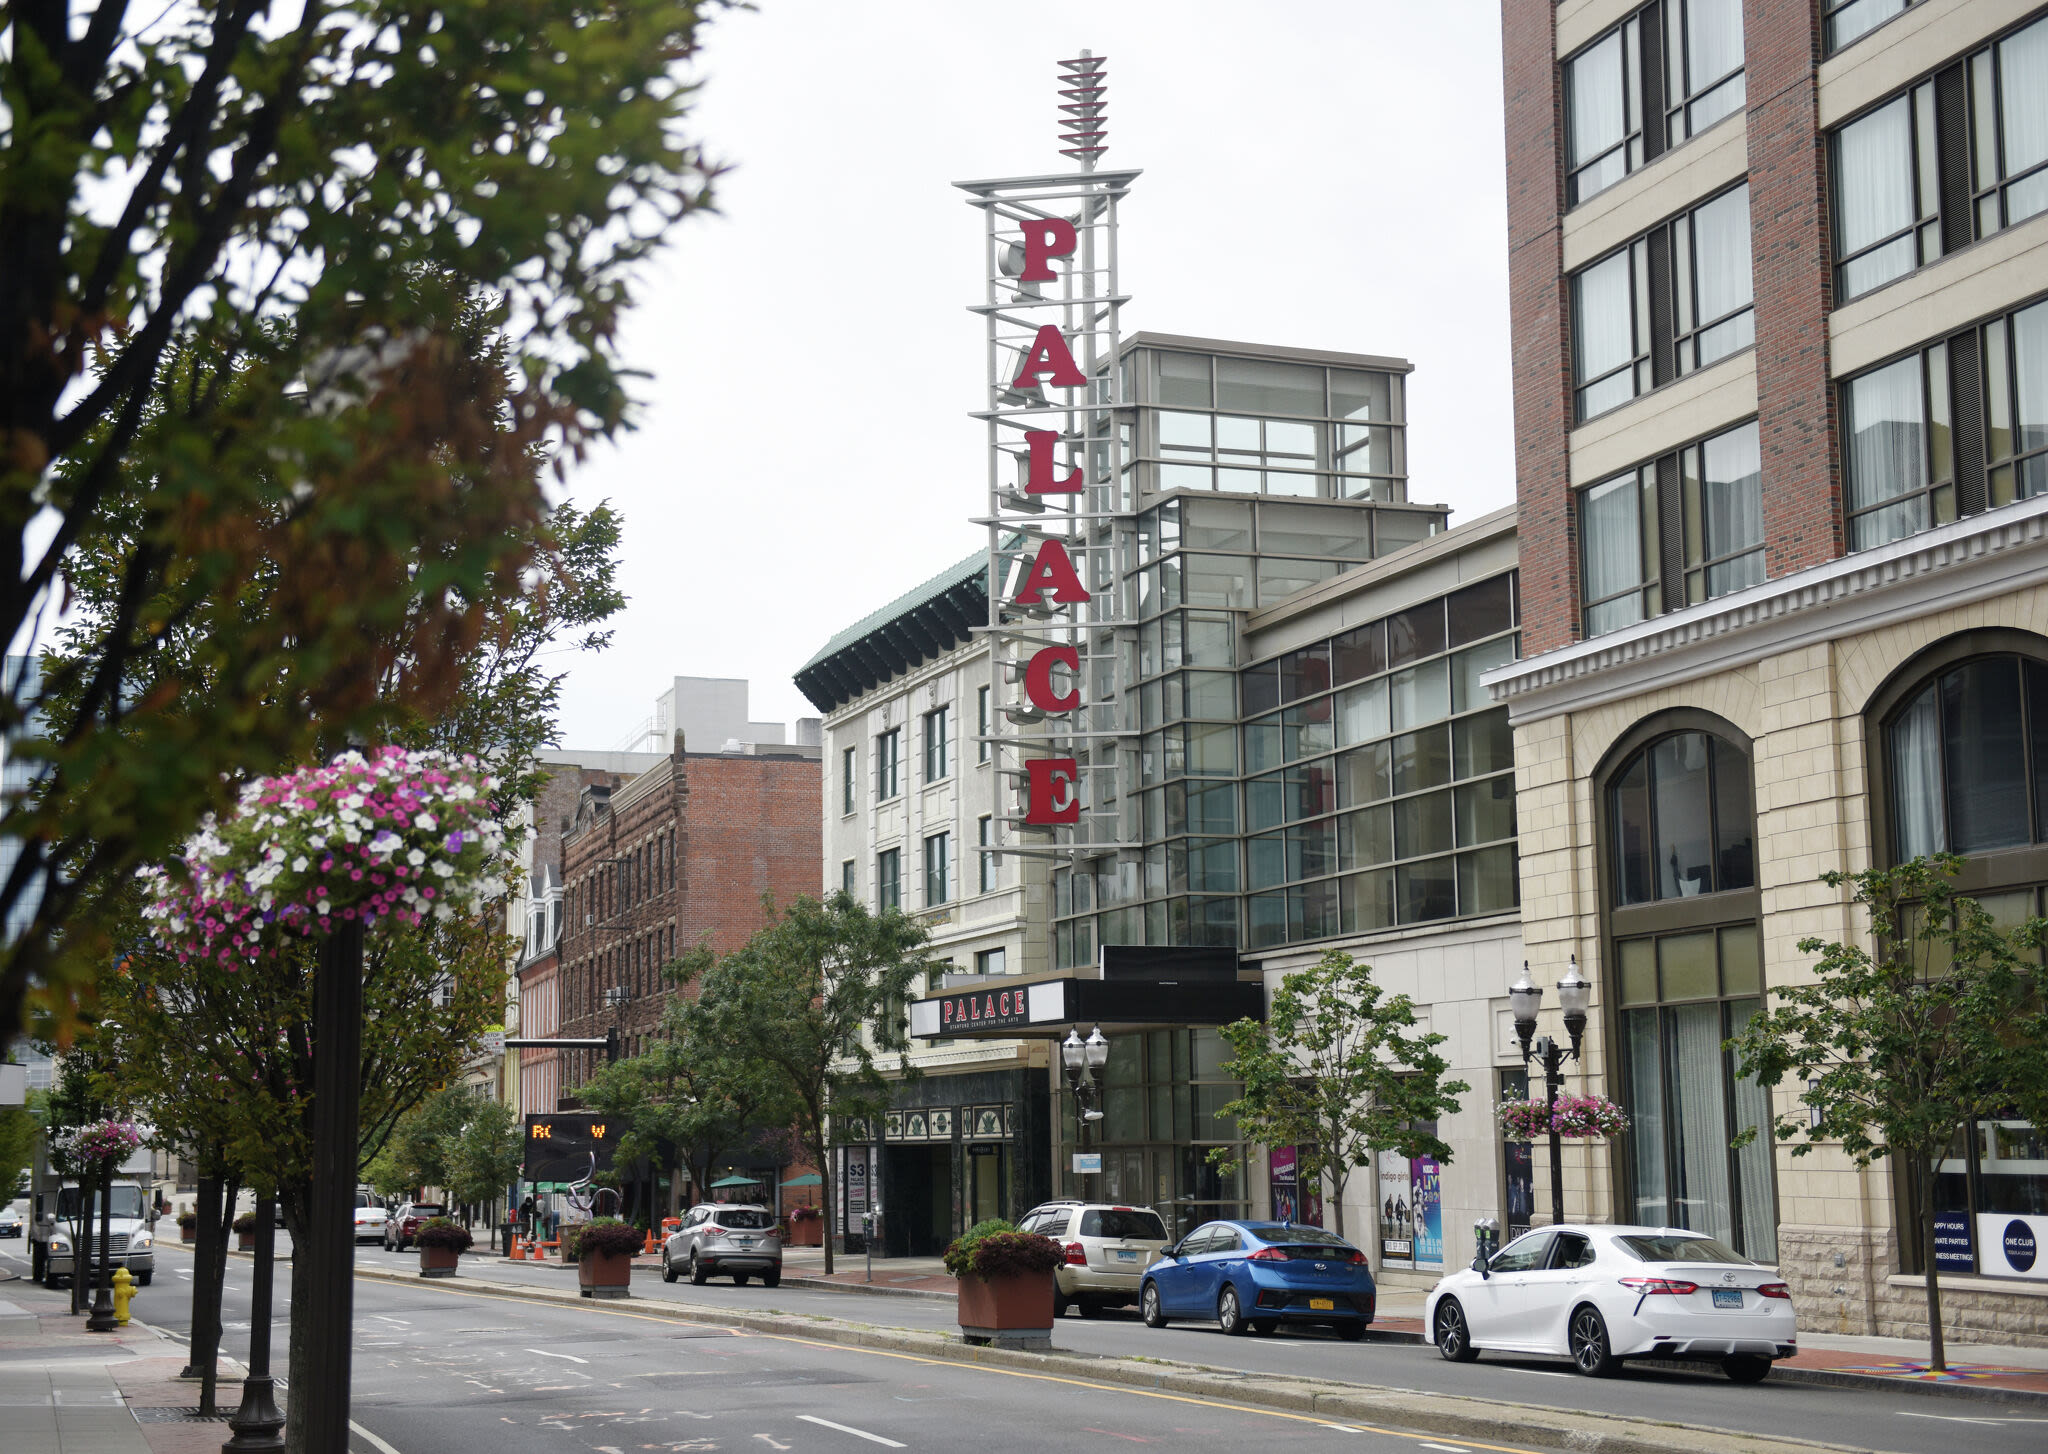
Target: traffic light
x,y
611,1046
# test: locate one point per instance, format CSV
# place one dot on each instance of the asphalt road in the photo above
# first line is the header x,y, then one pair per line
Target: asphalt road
x,y
427,1354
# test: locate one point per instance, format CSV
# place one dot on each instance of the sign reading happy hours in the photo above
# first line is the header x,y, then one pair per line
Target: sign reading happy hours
x,y
1059,514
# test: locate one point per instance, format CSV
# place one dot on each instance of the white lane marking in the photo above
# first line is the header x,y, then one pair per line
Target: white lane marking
x,y
771,1441
1959,1419
402,1322
1540,1372
570,1356
850,1429
371,1439
1344,1428
1448,1448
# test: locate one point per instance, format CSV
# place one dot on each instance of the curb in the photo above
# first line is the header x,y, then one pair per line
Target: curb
x,y
1451,1415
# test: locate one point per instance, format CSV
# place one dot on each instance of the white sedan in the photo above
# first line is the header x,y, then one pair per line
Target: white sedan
x,y
1599,1294
370,1223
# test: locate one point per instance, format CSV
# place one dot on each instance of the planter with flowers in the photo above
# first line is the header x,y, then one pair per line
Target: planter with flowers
x,y
805,1227
1576,1118
442,1243
604,1258
1006,1287
188,1226
245,1232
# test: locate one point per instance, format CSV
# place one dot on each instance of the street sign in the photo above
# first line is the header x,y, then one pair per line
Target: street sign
x,y
493,1042
1087,1162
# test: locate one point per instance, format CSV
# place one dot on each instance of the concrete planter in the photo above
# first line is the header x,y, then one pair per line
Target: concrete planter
x,y
438,1261
604,1274
1008,1312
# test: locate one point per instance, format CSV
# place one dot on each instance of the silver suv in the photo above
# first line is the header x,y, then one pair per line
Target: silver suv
x,y
742,1242
1108,1248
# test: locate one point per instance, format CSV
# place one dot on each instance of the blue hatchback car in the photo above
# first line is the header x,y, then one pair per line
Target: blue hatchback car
x,y
1253,1276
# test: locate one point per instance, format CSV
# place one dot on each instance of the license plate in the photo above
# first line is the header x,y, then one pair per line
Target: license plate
x,y
1724,1298
1127,1254
744,1241
1321,1305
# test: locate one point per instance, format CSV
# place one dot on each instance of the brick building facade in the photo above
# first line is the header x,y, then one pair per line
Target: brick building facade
x,y
1780,319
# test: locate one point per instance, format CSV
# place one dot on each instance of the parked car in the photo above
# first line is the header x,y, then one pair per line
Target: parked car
x,y
10,1222
1108,1248
1600,1294
1254,1276
404,1224
714,1241
370,1222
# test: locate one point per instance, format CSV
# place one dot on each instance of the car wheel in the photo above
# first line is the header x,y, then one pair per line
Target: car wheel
x,y
1059,1303
1229,1316
668,1268
699,1275
1350,1331
1265,1327
1091,1310
772,1279
142,1280
1453,1338
1590,1352
739,1279
1746,1367
1148,1305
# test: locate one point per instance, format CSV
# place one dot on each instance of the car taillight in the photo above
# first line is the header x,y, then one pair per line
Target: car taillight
x,y
1356,1255
1267,1254
1648,1286
1777,1290
1077,1255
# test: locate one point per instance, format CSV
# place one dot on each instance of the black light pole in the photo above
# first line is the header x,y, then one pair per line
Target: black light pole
x,y
327,1265
102,1319
1525,999
1082,1059
258,1426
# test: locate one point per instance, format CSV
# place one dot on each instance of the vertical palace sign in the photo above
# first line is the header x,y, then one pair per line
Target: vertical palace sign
x,y
1060,520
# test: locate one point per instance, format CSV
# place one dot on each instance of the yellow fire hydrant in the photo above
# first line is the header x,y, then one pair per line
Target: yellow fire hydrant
x,y
124,1289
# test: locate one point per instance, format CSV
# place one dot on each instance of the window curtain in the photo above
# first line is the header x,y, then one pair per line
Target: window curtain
x,y
1701,1197
1916,778
2023,97
1720,251
1713,41
2030,369
1886,431
1603,323
1874,181
1611,537
1732,493
1598,101
1758,1207
1646,1110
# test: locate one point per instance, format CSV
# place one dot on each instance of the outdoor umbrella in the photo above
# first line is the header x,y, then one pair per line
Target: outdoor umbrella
x,y
809,1178
734,1181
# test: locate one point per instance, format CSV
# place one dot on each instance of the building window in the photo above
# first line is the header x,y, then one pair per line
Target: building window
x,y
2009,129
989,961
1715,488
938,869
1849,20
888,764
985,869
1675,300
1887,193
1666,73
889,879
849,776
2016,404
1682,908
849,878
937,724
1898,451
1967,757
981,745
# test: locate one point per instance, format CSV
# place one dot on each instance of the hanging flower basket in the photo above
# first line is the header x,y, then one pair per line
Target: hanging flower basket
x,y
397,834
90,1149
1577,1118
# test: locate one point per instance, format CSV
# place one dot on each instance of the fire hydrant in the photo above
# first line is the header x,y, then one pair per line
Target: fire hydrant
x,y
124,1289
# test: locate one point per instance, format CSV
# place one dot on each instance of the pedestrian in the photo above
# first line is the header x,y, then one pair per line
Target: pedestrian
x,y
526,1217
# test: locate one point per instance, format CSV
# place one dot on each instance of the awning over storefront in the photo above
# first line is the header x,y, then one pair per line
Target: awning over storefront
x,y
1132,988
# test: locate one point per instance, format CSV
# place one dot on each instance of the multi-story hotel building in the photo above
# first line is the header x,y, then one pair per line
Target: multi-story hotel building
x,y
1777,277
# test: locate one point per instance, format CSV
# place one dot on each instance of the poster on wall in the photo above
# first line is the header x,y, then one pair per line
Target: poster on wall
x,y
1426,1201
1952,1249
1280,1164
1397,1209
1520,1157
856,1186
2010,1246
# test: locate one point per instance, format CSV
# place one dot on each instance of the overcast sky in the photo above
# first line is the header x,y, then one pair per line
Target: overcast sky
x,y
1317,173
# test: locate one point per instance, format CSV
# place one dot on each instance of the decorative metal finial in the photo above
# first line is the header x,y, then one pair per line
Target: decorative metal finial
x,y
1084,127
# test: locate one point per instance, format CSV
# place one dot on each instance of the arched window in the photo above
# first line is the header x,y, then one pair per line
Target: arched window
x,y
1679,888
1961,736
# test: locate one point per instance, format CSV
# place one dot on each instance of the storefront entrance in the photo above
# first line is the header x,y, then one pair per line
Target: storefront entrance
x,y
917,1206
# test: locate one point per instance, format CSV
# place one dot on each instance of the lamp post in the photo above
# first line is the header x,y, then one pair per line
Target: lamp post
x,y
1525,999
1082,1059
257,1425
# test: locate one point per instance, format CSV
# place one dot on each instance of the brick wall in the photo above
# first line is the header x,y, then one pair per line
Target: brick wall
x,y
1793,274
753,830
1542,356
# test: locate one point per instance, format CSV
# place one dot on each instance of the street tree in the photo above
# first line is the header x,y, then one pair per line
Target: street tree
x,y
243,252
819,996
415,1155
1896,1044
483,1155
694,1096
1338,1070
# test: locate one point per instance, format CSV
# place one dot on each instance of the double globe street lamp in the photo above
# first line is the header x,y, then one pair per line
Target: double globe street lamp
x,y
1525,998
1082,1059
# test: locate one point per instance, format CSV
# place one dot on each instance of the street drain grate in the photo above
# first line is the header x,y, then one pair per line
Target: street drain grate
x,y
178,1416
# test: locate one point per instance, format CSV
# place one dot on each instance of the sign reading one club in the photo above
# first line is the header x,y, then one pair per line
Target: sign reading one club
x,y
1052,783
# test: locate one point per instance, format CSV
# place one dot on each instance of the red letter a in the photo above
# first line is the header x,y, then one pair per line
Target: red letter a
x,y
1049,355
1051,569
1041,481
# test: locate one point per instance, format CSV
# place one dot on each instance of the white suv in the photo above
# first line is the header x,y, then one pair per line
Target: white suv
x,y
1108,1248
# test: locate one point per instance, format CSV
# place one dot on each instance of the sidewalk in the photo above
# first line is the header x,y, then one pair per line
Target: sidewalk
x,y
96,1393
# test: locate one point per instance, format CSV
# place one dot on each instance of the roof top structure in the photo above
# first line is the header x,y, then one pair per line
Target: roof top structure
x,y
921,624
